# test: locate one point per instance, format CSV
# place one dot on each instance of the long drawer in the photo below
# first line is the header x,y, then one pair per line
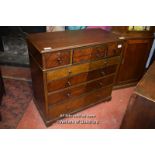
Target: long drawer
x,y
80,78
72,92
79,103
77,69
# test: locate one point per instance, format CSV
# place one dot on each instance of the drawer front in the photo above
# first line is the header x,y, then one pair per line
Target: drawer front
x,y
89,53
79,90
77,69
77,79
56,59
114,49
77,104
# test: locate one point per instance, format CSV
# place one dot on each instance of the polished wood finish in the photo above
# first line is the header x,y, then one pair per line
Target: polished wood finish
x,y
134,60
55,59
140,113
70,39
91,53
35,54
38,84
96,52
71,92
72,70
80,78
77,69
113,50
80,103
137,46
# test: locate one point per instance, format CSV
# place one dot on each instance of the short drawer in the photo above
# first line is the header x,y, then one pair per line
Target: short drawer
x,y
80,103
79,90
80,78
89,53
56,59
114,49
81,68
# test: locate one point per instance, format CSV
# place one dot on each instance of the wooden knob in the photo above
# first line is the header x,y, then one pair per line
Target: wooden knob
x,y
68,94
69,84
102,72
69,71
59,60
58,53
100,83
105,62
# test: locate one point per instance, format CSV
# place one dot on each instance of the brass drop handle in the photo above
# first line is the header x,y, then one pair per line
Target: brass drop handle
x,y
69,84
68,94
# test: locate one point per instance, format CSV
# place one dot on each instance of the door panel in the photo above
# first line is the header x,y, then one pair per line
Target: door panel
x,y
134,59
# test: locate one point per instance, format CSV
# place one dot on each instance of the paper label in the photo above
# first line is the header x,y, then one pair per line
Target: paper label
x,y
47,48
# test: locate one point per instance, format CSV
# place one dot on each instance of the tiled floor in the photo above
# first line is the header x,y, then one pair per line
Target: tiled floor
x,y
108,114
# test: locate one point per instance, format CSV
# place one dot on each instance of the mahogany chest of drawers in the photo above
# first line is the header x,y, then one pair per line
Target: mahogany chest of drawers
x,y
72,70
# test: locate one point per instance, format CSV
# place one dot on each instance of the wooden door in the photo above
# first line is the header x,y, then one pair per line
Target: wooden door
x,y
134,58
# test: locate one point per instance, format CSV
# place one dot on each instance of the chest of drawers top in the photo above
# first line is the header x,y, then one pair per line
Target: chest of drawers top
x,y
54,41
